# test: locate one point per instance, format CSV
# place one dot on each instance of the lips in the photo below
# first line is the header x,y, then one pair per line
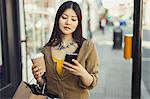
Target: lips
x,y
67,28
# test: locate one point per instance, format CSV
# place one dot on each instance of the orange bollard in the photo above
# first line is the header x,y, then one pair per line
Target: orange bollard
x,y
128,46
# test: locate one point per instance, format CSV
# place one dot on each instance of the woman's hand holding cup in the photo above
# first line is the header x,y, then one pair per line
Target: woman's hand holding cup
x,y
38,67
37,71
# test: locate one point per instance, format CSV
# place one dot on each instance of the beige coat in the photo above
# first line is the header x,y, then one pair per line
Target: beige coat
x,y
69,86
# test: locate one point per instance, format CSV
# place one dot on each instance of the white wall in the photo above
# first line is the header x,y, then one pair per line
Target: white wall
x,y
147,14
94,16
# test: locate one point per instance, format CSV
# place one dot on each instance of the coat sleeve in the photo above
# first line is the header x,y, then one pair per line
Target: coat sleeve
x,y
92,66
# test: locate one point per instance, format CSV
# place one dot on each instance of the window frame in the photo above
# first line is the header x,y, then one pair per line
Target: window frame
x,y
4,44
11,47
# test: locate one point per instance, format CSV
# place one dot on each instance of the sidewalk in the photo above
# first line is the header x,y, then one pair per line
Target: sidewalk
x,y
115,72
115,76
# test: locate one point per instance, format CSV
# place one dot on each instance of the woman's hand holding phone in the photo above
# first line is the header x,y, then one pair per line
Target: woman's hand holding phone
x,y
80,71
73,66
70,56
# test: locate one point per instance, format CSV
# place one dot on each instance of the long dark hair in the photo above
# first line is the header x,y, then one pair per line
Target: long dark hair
x,y
56,37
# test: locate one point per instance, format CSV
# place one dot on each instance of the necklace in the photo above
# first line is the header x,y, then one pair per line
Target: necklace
x,y
61,46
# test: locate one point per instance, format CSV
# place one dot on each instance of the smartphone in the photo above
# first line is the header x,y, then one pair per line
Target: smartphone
x,y
70,56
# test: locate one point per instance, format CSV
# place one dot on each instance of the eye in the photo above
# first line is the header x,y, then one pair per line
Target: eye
x,y
74,19
64,17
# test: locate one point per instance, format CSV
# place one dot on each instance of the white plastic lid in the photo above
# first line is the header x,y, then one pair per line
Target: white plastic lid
x,y
33,56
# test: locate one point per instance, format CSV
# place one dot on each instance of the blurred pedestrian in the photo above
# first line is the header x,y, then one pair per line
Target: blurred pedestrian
x,y
102,23
68,80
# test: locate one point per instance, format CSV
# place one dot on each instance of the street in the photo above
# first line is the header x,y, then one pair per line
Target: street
x,y
146,59
115,73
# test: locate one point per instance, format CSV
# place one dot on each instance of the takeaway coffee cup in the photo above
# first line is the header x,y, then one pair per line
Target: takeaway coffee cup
x,y
38,59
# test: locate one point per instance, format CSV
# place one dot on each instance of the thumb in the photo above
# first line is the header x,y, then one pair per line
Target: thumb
x,y
76,62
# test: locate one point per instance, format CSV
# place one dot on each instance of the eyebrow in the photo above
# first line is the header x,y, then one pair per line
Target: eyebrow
x,y
67,15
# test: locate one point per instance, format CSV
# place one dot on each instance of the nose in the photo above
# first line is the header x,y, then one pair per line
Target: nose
x,y
68,21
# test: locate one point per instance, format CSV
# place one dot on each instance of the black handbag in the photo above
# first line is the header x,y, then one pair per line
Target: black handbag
x,y
41,91
33,91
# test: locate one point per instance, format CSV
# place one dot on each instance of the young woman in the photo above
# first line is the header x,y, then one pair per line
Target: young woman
x,y
68,80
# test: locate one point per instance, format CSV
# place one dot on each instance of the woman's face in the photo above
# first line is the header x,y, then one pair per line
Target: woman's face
x,y
68,22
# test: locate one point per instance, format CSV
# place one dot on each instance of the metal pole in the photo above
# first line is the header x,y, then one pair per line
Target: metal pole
x,y
136,70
